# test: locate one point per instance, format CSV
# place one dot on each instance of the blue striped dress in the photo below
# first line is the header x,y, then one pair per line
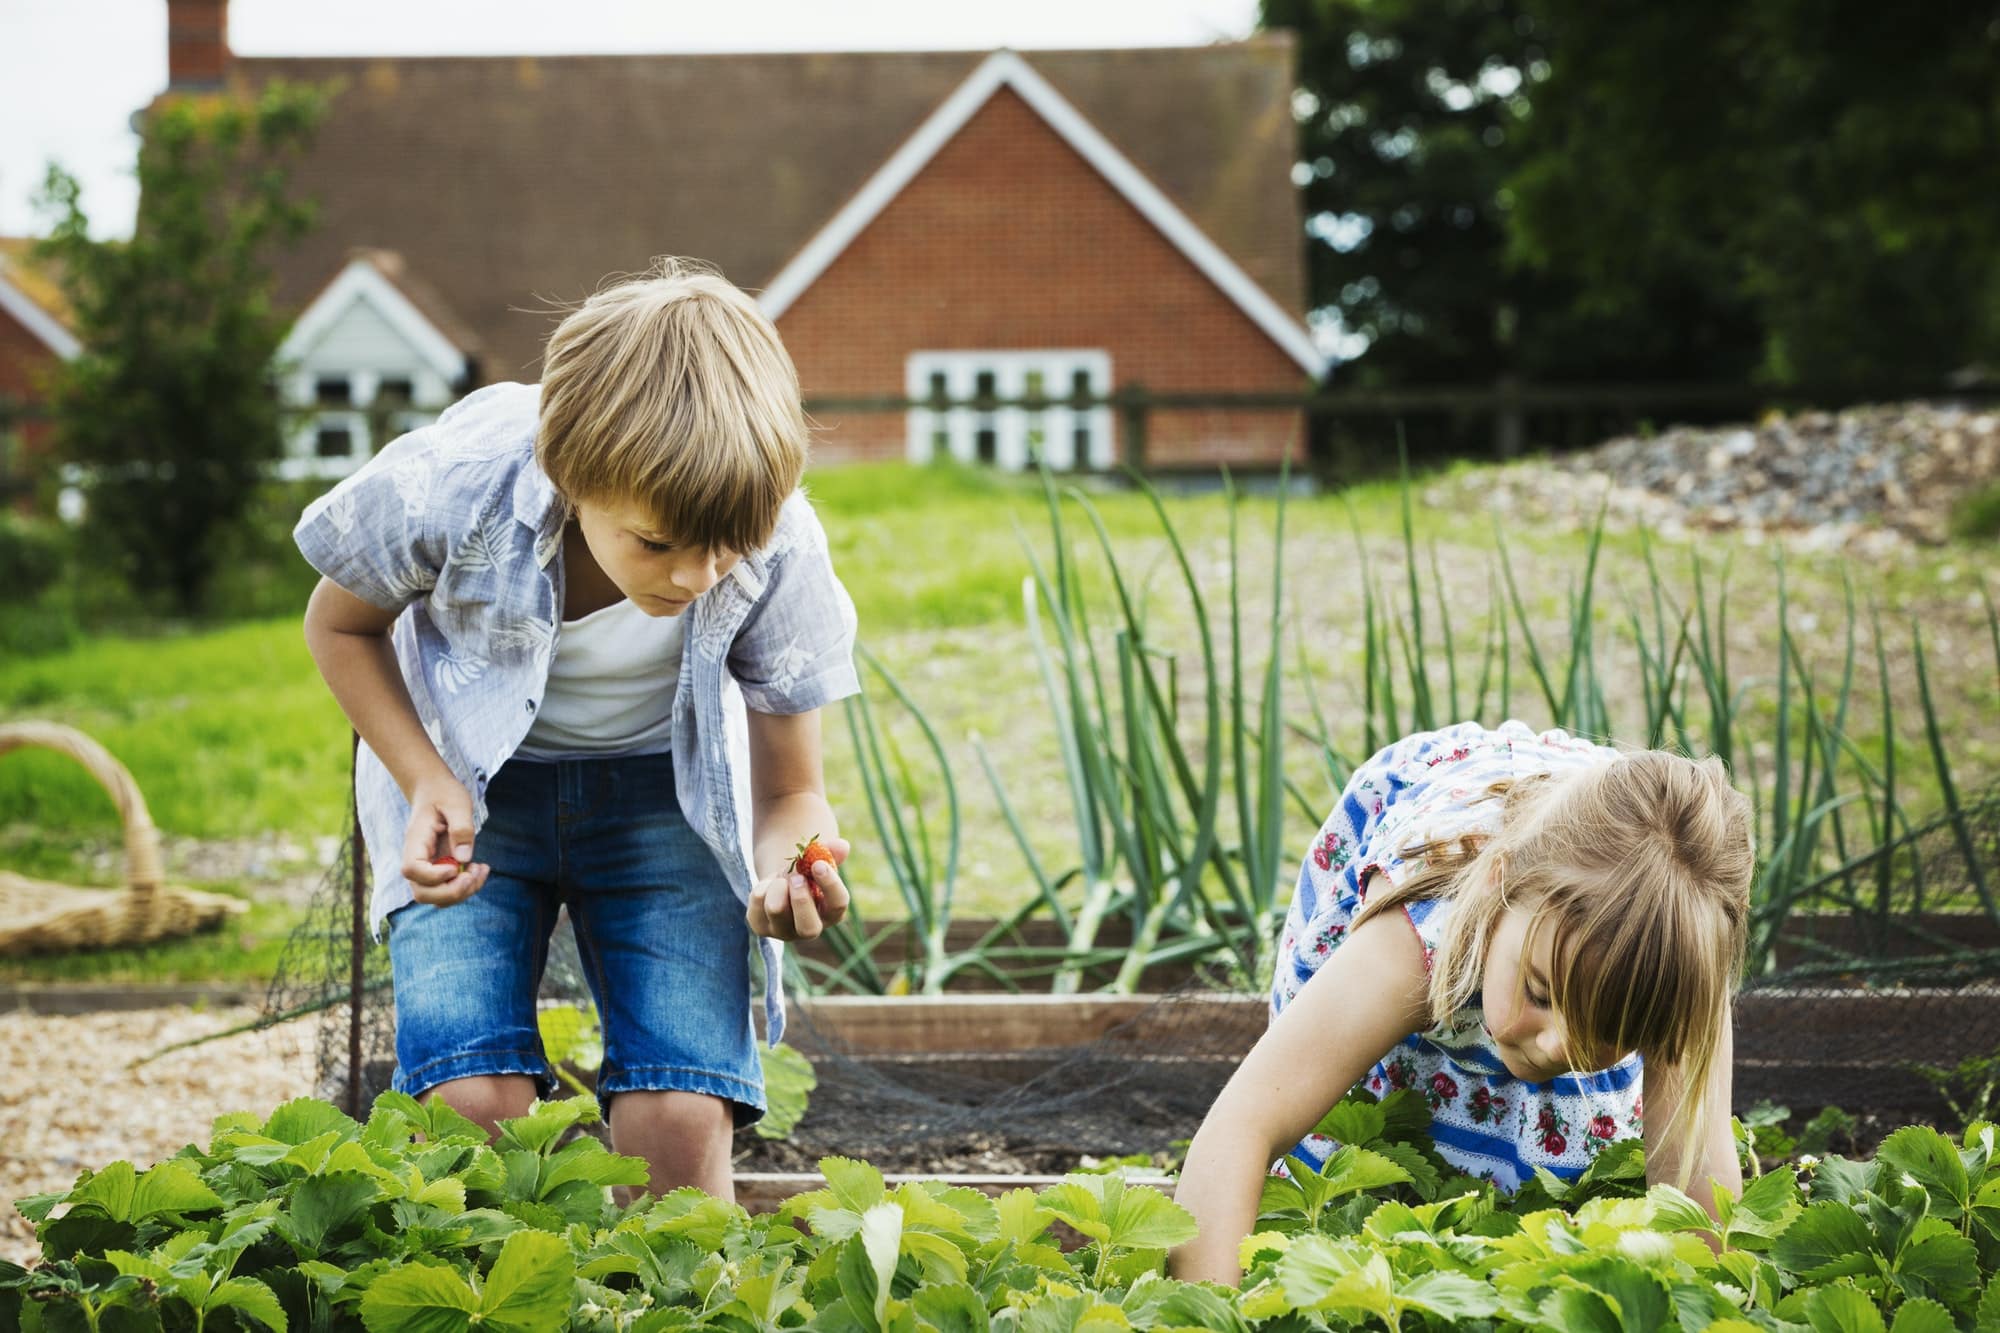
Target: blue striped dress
x,y
1485,1121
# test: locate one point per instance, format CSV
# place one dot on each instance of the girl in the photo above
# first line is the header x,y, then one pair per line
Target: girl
x,y
1484,913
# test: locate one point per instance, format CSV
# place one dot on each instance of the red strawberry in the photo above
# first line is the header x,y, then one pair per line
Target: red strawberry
x,y
451,861
811,852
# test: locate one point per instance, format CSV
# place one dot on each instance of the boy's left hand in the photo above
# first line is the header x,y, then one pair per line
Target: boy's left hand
x,y
782,907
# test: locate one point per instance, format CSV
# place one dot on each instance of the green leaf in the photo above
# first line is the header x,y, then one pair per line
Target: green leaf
x,y
856,1186
788,1083
128,1196
546,1122
1579,1310
322,1205
442,1122
418,1298
1354,1122
1635,1295
881,1240
248,1296
1022,1219
108,1189
1353,1169
1319,1274
1106,1210
1842,1180
950,1307
1842,1309
1406,1117
1922,1316
1767,1206
37,1207
304,1119
940,1260
1281,1195
1941,1264
588,1160
1989,1309
1675,1211
1826,1240
530,1286
1162,1302
1424,1177
1930,1160
446,1195
1449,1296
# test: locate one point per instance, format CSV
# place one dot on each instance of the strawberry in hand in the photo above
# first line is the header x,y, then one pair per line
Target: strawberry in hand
x,y
810,853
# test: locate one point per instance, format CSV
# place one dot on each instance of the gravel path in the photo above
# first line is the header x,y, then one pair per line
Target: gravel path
x,y
68,1101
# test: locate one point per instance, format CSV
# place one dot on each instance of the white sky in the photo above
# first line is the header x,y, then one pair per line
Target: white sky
x,y
73,71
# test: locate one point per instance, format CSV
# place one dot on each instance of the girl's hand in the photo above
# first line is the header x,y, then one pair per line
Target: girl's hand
x,y
782,906
437,849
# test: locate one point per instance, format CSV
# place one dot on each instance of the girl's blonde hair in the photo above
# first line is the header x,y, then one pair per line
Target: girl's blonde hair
x,y
673,390
1639,869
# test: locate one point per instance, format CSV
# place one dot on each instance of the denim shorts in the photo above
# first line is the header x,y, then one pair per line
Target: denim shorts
x,y
661,935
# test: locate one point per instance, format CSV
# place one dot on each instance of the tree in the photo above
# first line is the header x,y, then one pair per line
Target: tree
x,y
1413,123
1835,163
170,406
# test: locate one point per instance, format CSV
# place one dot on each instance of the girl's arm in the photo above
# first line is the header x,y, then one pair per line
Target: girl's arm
x,y
788,805
1714,1147
349,642
1370,995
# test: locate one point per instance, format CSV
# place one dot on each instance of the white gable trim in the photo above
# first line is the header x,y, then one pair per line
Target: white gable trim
x,y
1004,68
362,281
37,320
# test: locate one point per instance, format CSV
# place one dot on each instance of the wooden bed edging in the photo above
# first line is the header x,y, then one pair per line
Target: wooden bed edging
x,y
1795,1046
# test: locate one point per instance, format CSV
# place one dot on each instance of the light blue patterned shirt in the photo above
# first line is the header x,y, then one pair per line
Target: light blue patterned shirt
x,y
456,526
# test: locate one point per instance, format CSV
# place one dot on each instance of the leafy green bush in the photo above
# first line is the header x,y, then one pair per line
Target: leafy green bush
x,y
1976,517
32,551
308,1220
36,629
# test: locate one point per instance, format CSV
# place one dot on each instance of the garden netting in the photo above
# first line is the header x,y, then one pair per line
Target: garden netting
x,y
1890,967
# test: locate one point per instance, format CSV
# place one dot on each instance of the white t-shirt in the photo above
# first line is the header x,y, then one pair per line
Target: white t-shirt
x,y
611,686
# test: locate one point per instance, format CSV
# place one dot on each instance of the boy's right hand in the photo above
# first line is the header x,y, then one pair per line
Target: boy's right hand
x,y
437,849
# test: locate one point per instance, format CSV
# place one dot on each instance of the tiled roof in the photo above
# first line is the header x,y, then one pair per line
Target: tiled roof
x,y
36,279
509,185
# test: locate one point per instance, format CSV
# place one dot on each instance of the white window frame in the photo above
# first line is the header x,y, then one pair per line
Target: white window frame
x,y
432,394
1015,427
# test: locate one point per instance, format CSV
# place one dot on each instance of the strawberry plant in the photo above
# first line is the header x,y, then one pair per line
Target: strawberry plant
x,y
413,1222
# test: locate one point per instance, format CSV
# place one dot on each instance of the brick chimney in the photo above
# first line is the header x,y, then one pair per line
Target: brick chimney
x,y
197,44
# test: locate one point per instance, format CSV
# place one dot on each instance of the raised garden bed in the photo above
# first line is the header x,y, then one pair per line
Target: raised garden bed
x,y
1803,1048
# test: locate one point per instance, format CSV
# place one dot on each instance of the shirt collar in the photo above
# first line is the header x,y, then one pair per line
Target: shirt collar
x,y
537,505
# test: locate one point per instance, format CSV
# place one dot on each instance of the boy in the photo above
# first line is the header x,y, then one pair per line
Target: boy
x,y
579,627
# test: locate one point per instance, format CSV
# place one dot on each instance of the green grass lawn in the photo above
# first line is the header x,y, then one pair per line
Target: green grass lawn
x,y
232,735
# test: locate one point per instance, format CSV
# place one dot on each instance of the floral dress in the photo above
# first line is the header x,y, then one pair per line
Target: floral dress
x,y
1484,1120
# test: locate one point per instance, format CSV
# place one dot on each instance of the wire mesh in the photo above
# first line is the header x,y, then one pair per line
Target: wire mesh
x,y
1867,988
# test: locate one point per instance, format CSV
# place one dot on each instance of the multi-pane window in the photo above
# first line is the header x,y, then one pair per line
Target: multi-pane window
x,y
1049,411
344,415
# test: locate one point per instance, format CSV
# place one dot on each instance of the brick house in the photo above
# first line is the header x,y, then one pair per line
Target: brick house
x,y
918,224
34,337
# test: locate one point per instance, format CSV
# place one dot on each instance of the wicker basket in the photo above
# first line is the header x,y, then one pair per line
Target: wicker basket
x,y
37,916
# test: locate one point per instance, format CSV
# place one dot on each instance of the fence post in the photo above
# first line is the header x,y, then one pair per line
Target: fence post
x,y
1132,405
357,927
1510,423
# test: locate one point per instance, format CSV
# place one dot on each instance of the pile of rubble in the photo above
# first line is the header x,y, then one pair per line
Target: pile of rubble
x,y
1886,472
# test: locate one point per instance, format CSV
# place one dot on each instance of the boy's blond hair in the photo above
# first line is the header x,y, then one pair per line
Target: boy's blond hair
x,y
1639,870
673,390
